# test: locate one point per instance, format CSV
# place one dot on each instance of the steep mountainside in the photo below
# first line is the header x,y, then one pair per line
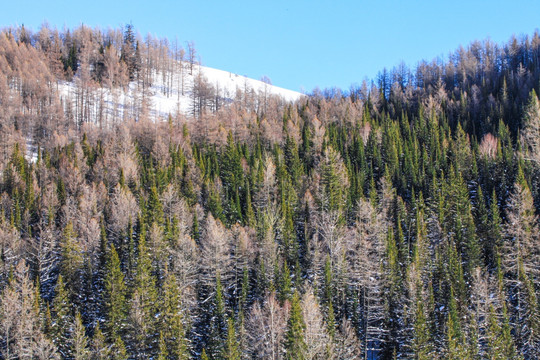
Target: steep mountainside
x,y
394,221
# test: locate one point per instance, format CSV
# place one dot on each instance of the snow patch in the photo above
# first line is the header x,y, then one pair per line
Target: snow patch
x,y
165,96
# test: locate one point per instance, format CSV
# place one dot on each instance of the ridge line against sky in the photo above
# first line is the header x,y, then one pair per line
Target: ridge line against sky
x,y
303,44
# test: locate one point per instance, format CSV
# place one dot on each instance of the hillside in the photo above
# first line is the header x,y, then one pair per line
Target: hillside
x,y
396,220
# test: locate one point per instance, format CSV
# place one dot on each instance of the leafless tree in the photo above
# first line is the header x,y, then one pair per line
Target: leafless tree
x,y
175,207
482,302
157,247
265,328
19,321
330,243
215,253
192,55
44,255
271,221
488,146
87,219
185,264
365,255
347,345
522,243
266,193
521,265
11,248
179,54
203,95
123,208
318,343
243,253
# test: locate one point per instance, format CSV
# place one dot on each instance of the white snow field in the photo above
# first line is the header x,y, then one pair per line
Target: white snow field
x,y
167,95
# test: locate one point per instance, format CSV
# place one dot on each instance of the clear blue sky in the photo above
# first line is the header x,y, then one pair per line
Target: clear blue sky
x,y
298,44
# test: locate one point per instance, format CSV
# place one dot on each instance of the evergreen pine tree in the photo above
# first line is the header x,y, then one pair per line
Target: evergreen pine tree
x,y
295,345
454,334
154,210
163,353
118,350
231,350
115,295
499,342
79,340
334,181
218,323
284,282
495,227
172,333
143,303
508,346
422,346
72,261
62,319
195,231
204,356
249,215
328,292
99,348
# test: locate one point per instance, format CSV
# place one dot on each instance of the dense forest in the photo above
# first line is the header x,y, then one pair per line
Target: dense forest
x,y
393,220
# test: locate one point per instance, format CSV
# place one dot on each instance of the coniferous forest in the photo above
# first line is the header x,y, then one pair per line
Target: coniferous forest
x,y
397,219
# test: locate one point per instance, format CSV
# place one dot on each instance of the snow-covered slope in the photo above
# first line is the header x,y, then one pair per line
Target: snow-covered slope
x,y
167,95
231,82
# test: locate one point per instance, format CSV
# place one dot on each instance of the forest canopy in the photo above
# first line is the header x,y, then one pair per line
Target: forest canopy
x,y
393,220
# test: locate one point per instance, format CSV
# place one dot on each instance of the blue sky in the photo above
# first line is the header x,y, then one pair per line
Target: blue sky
x,y
301,44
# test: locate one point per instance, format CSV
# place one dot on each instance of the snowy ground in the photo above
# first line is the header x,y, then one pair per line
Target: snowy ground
x,y
164,97
231,82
